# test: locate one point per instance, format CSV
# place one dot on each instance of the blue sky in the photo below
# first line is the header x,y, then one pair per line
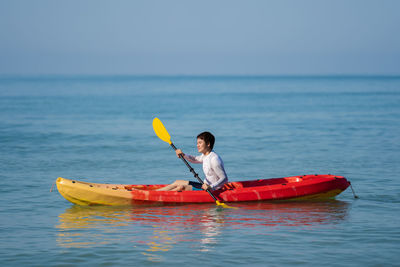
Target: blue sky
x,y
200,37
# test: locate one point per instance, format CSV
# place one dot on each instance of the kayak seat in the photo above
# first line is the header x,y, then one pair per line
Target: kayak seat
x,y
232,185
261,182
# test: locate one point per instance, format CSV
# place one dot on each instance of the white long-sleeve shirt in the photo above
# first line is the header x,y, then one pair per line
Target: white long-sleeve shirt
x,y
213,168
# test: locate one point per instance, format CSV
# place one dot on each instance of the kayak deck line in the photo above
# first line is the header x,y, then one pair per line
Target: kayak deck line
x,y
287,188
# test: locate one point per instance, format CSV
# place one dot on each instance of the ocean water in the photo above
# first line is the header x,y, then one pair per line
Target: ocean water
x,y
99,129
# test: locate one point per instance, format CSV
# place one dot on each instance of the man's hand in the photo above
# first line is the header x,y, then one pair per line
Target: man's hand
x,y
179,153
205,187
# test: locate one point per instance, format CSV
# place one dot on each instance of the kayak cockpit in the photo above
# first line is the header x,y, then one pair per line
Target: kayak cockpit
x,y
264,182
230,185
143,187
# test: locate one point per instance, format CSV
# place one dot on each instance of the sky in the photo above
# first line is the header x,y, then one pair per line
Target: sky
x,y
219,37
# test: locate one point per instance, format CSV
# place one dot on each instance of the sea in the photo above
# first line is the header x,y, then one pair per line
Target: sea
x,y
99,129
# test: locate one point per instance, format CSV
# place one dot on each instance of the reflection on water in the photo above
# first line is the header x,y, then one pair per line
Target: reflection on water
x,y
159,229
288,214
86,227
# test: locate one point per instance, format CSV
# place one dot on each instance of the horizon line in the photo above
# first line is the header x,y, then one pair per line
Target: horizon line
x,y
127,75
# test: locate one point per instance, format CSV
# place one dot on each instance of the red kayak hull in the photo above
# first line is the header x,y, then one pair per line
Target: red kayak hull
x,y
287,188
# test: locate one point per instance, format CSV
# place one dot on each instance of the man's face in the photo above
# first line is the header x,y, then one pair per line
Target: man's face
x,y
202,147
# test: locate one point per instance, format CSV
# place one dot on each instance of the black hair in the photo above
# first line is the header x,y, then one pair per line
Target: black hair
x,y
208,138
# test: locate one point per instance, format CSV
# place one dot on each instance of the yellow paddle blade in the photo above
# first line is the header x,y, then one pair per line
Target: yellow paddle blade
x,y
160,131
224,205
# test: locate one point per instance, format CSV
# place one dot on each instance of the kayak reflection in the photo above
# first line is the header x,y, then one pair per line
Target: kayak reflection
x,y
290,214
157,229
161,227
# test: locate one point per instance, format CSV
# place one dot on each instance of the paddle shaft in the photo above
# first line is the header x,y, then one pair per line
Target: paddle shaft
x,y
192,171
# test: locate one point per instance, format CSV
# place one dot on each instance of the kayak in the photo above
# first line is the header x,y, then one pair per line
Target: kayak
x,y
305,187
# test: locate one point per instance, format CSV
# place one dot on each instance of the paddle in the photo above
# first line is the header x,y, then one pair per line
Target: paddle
x,y
163,134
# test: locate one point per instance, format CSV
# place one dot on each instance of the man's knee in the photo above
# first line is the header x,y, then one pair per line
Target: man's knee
x,y
181,188
181,182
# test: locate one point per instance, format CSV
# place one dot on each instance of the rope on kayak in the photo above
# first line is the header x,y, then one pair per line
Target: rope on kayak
x,y
51,189
354,194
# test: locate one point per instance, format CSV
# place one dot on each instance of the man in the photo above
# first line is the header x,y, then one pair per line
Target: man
x,y
213,167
